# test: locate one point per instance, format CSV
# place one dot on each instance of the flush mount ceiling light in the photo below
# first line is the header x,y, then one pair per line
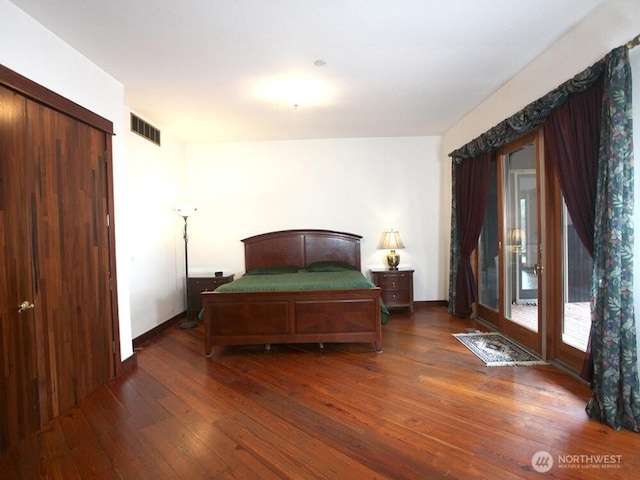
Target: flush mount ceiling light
x,y
295,89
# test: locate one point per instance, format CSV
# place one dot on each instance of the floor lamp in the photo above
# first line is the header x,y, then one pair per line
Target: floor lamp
x,y
185,212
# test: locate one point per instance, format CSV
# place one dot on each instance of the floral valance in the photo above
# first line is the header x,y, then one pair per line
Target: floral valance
x,y
530,117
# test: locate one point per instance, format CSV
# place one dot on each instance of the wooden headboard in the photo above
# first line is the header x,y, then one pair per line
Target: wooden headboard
x,y
301,248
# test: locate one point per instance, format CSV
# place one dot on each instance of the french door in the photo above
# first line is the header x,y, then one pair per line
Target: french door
x,y
533,272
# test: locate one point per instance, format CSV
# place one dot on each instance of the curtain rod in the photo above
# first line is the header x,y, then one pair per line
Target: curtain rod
x,y
633,43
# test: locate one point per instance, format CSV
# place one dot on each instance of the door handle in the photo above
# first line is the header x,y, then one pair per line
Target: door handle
x,y
26,305
537,269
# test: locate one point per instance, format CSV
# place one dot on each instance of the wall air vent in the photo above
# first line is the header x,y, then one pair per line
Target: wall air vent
x,y
141,127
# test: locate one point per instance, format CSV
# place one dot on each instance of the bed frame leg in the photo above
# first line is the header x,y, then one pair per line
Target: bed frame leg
x,y
267,346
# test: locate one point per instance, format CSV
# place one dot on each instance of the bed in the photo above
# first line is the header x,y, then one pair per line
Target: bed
x,y
311,314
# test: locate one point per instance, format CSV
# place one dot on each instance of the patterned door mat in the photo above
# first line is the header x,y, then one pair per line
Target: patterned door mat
x,y
496,350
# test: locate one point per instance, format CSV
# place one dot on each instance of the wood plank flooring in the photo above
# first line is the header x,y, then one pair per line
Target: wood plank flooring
x,y
425,408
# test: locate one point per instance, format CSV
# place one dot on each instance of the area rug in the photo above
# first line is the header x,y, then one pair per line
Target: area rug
x,y
496,350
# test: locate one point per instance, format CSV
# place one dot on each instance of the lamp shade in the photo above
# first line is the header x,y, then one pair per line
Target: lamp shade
x,y
186,210
515,237
390,241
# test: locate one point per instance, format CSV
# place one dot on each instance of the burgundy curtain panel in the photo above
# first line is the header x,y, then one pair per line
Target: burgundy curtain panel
x,y
472,187
572,140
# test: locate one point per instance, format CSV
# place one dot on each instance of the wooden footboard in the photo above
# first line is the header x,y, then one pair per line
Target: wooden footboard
x,y
340,316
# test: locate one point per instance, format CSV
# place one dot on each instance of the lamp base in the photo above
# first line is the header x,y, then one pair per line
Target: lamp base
x,y
393,259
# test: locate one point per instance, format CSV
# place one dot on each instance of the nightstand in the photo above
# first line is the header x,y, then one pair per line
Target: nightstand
x,y
197,285
396,285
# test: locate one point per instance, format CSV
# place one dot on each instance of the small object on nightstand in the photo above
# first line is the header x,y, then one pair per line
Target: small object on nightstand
x,y
396,285
197,285
391,241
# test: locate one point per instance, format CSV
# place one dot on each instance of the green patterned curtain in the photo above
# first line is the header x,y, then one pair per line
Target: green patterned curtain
x,y
616,390
454,256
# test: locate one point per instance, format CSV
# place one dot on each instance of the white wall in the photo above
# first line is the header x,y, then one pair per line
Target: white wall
x,y
155,187
609,26
361,186
29,49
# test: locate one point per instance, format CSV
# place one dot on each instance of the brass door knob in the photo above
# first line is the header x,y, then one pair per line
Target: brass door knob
x,y
26,305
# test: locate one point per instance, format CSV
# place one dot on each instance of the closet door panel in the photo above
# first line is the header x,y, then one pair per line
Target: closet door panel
x,y
19,400
69,208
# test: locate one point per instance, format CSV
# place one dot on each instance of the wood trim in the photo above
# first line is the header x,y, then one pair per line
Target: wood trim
x,y
129,363
431,303
143,338
115,323
44,96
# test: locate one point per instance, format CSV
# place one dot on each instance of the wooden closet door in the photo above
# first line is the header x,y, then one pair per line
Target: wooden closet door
x,y
55,254
71,257
19,400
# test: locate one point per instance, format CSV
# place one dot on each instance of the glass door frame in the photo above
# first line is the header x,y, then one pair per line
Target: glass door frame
x,y
528,338
557,350
497,317
550,265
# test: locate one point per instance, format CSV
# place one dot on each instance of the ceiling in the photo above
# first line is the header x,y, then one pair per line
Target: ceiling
x,y
198,69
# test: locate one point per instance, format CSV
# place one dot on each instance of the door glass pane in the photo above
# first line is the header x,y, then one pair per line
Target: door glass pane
x,y
578,266
521,238
488,247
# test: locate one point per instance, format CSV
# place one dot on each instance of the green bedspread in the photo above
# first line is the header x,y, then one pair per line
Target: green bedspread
x,y
303,280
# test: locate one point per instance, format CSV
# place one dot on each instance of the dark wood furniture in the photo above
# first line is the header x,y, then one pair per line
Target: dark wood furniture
x,y
341,316
197,285
396,285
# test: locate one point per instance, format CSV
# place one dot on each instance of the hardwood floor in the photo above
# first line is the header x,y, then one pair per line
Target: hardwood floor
x,y
424,408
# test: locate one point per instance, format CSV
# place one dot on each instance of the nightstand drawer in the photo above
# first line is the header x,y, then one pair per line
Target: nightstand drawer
x,y
394,282
392,297
209,284
396,287
197,285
